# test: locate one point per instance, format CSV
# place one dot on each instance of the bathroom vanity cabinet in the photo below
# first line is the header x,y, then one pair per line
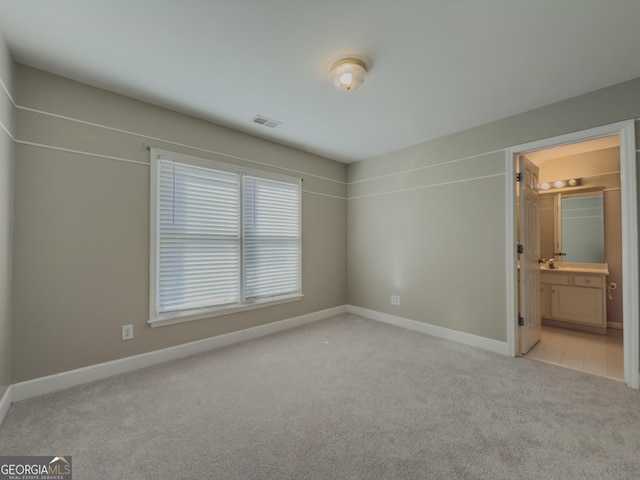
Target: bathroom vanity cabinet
x,y
574,298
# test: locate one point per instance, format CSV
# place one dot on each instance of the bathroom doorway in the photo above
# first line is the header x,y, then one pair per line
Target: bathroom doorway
x,y
579,206
587,345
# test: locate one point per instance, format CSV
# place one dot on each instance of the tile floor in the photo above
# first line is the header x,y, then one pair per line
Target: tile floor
x,y
588,352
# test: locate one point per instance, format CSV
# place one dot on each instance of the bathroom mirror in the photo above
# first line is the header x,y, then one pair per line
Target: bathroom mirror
x,y
572,227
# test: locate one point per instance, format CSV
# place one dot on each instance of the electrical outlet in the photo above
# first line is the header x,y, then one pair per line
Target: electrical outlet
x,y
127,332
395,299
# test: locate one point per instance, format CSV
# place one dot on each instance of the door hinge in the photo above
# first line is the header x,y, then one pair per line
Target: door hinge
x,y
519,177
520,248
520,321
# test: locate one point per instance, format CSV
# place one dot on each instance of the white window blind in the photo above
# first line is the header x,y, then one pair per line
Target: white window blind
x,y
222,238
271,223
199,237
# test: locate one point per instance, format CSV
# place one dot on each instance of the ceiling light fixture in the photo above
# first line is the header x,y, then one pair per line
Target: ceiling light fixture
x,y
348,74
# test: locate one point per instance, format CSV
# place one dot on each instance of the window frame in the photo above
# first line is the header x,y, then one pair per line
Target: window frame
x,y
157,318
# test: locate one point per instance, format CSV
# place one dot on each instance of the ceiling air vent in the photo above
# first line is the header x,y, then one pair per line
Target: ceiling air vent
x,y
267,122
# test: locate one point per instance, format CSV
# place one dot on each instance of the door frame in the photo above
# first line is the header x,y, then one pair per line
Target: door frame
x,y
629,215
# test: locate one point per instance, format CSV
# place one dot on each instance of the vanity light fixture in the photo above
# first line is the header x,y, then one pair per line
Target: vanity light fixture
x,y
348,74
571,182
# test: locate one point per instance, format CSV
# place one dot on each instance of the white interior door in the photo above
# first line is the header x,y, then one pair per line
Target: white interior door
x,y
529,290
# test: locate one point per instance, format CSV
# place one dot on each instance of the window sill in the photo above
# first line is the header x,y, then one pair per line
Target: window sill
x,y
202,313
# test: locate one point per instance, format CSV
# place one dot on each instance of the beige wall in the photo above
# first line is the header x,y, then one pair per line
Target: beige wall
x,y
428,222
82,224
546,208
433,245
6,215
597,169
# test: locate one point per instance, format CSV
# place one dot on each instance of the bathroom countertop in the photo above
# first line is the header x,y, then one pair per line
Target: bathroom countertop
x,y
600,268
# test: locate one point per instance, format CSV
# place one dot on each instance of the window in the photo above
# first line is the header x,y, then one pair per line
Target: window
x,y
222,239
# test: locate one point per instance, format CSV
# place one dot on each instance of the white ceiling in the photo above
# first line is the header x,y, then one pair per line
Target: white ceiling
x,y
435,66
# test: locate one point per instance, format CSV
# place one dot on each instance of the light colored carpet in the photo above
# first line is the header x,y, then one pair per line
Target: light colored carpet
x,y
343,398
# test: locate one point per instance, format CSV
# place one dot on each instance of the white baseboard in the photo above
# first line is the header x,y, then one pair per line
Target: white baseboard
x,y
60,381
433,330
5,403
614,325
